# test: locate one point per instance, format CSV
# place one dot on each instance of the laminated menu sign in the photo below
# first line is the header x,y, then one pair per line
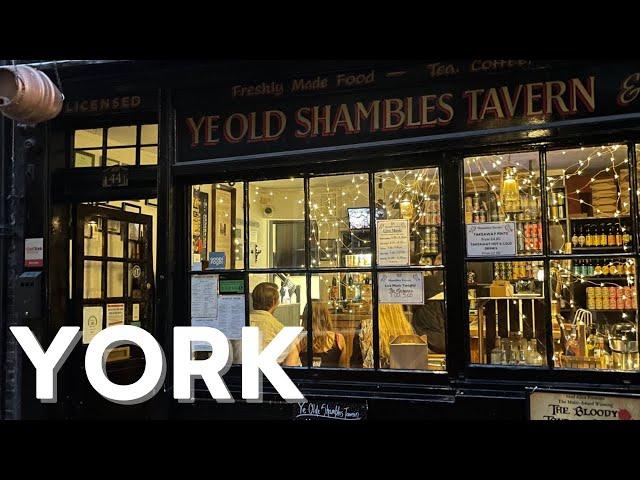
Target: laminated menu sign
x,y
491,239
115,314
230,319
401,287
548,405
204,295
91,322
392,242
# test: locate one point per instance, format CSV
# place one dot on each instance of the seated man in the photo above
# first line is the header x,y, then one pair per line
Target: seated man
x,y
265,300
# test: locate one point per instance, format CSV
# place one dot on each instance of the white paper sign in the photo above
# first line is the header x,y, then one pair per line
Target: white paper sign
x,y
91,323
401,287
573,406
231,316
204,296
135,315
392,242
491,239
115,314
33,252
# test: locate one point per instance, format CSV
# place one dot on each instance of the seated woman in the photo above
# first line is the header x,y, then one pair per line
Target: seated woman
x,y
329,348
391,323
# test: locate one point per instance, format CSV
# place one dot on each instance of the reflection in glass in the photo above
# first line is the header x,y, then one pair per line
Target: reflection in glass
x,y
121,136
115,242
92,287
149,134
340,233
149,156
413,195
87,158
594,309
121,156
91,138
588,197
506,188
136,280
115,279
507,323
276,224
92,236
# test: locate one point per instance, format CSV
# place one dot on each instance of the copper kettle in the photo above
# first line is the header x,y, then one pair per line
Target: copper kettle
x,y
27,95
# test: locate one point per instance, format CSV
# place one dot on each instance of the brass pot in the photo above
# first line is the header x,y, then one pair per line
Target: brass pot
x,y
27,95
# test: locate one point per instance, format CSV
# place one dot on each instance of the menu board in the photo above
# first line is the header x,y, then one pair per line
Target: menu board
x,y
392,242
491,239
406,288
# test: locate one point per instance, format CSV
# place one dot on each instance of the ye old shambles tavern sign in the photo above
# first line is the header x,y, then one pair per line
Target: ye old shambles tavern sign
x,y
299,114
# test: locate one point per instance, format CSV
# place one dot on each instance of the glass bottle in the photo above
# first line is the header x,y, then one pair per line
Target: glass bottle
x,y
498,355
574,238
597,271
626,238
561,213
581,237
611,236
587,235
618,235
603,236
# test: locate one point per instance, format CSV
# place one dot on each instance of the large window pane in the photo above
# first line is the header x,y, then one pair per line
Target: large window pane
x,y
412,333
121,156
507,321
506,188
278,300
217,226
93,236
341,319
594,307
87,158
588,197
91,138
413,196
149,134
148,155
115,279
340,221
92,286
276,224
121,136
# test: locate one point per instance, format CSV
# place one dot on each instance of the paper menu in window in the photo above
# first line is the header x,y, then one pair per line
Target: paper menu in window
x,y
392,242
231,316
204,296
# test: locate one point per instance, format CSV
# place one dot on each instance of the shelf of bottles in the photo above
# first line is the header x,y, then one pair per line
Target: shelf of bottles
x,y
596,311
601,235
349,293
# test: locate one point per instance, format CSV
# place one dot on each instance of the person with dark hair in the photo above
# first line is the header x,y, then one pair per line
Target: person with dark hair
x,y
428,319
266,297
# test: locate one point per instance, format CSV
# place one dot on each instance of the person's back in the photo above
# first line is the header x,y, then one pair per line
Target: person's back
x,y
329,347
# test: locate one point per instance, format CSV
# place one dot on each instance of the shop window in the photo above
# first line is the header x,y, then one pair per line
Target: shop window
x,y
121,145
507,316
331,295
217,226
506,189
588,197
276,224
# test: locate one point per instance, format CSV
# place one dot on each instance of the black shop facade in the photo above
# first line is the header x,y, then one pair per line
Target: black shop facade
x,y
457,239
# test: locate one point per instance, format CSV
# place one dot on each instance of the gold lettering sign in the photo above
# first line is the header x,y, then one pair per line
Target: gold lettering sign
x,y
103,104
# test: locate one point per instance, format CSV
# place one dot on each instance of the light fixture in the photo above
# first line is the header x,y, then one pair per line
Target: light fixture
x,y
510,190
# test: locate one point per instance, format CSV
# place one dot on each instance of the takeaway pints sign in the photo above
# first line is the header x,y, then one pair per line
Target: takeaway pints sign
x,y
299,123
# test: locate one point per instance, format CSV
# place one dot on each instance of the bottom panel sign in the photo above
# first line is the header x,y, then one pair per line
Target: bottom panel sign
x,y
555,405
321,410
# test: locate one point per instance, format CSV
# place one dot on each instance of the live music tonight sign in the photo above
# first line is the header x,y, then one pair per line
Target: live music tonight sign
x,y
359,108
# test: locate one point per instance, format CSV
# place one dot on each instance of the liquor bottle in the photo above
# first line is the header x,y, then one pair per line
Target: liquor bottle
x,y
597,271
587,235
626,238
595,236
611,236
498,355
581,237
618,235
603,236
554,206
577,268
561,212
575,237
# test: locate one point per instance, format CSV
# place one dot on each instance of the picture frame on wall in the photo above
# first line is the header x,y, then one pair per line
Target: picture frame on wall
x,y
224,215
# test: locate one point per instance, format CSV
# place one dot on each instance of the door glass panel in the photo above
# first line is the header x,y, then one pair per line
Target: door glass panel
x,y
148,155
115,244
121,156
91,138
149,134
136,280
136,235
92,279
115,278
93,236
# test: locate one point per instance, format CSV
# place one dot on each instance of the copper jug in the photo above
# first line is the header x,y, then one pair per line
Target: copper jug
x,y
27,95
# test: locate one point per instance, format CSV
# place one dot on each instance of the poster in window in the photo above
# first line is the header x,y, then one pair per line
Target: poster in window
x,y
199,224
224,214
